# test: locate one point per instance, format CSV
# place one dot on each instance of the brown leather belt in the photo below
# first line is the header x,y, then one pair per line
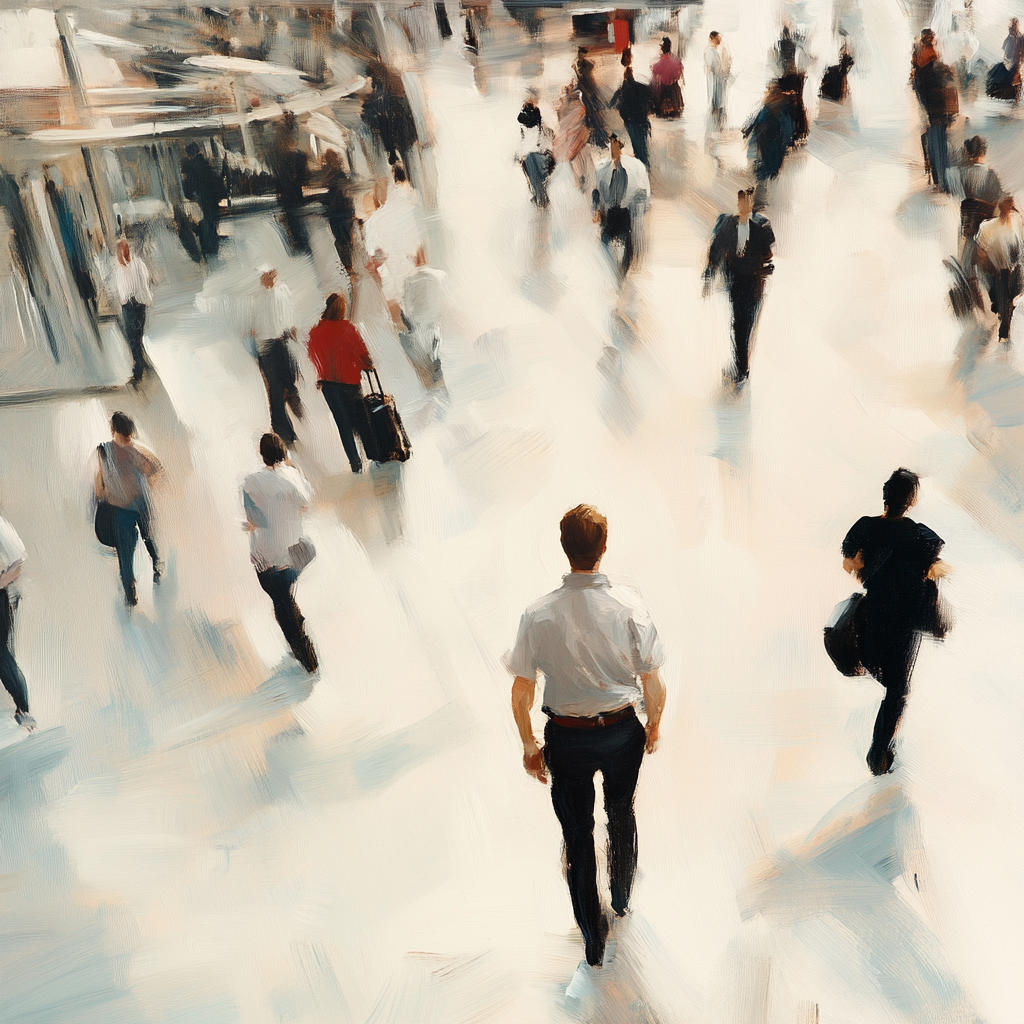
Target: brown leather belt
x,y
599,722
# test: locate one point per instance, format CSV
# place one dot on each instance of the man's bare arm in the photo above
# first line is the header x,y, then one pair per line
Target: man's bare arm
x,y
523,693
654,703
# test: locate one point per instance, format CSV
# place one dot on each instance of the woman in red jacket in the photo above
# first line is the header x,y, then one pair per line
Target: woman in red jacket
x,y
339,354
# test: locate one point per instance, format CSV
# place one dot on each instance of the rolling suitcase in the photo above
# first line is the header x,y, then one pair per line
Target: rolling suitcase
x,y
387,435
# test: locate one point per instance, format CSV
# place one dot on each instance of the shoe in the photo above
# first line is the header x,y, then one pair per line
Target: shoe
x,y
158,572
131,595
357,469
25,720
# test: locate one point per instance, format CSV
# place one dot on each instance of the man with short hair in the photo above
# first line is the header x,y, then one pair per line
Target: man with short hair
x,y
275,499
131,279
591,640
741,250
1001,256
272,327
620,199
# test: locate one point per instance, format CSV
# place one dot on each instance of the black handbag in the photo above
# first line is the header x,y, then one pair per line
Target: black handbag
x,y
843,636
104,524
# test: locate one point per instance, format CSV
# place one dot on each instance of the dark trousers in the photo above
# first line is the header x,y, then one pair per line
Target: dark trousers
x,y
346,404
133,318
341,228
617,222
936,146
209,239
890,651
1005,287
573,756
280,371
638,132
296,225
129,524
10,674
745,294
537,168
278,583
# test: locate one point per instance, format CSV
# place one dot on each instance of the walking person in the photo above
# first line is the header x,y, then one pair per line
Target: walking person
x,y
593,102
1001,257
275,499
741,251
572,134
422,299
12,559
339,207
894,558
718,67
122,478
272,328
936,91
205,187
666,74
620,199
977,187
535,152
591,639
131,280
635,104
337,350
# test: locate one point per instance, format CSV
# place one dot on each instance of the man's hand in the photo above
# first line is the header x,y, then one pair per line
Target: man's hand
x,y
533,762
855,564
939,569
652,738
597,217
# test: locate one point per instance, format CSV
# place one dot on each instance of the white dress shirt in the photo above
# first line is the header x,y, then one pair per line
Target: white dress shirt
x,y
591,640
742,236
275,500
272,311
1003,243
132,281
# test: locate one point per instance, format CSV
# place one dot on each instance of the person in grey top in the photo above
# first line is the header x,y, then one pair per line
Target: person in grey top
x,y
122,474
591,640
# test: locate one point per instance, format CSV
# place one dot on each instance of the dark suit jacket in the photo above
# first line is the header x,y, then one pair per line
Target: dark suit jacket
x,y
756,260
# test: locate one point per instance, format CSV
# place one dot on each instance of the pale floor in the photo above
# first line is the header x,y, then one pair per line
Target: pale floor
x,y
197,833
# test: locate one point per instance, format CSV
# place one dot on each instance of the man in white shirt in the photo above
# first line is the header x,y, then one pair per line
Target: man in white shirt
x,y
620,199
718,65
271,328
275,499
591,640
12,558
131,279
1001,256
421,307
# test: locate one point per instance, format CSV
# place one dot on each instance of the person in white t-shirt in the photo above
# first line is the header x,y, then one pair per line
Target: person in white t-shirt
x,y
131,281
275,499
718,65
1001,256
271,332
12,558
422,298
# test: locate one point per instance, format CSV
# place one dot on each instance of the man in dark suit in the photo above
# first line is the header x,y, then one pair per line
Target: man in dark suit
x,y
741,250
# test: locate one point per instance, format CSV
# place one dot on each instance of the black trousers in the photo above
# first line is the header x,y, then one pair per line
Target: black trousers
x,y
10,673
280,372
346,404
1005,287
278,583
129,525
745,294
617,222
133,318
573,757
890,651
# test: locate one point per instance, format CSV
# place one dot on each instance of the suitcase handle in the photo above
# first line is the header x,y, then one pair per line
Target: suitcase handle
x,y
370,380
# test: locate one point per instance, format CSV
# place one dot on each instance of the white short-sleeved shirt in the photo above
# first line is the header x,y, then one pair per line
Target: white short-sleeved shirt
x,y
591,640
11,548
275,500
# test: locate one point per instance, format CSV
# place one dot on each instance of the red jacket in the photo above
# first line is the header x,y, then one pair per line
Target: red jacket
x,y
338,352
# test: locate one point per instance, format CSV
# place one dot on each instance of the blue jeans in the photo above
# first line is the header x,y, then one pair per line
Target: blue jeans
x,y
10,674
128,524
